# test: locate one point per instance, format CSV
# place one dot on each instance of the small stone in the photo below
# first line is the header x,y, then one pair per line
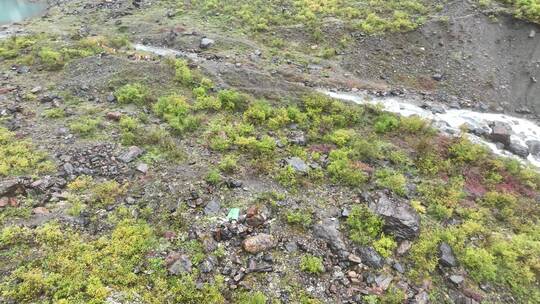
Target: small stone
x,y
131,154
355,259
111,98
142,167
446,255
212,208
298,164
36,90
456,279
182,265
532,34
437,77
399,268
291,246
258,243
114,116
383,281
370,257
206,43
40,210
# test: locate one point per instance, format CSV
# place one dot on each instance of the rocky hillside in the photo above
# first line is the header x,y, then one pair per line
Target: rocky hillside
x,y
181,152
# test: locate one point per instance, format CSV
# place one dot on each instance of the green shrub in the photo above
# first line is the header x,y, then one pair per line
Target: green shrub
x,y
311,264
131,93
300,218
465,151
85,126
233,100
50,59
342,170
287,177
258,113
385,246
413,124
480,263
252,298
386,123
54,113
364,226
213,177
129,123
390,179
341,137
183,73
107,192
263,147
175,111
229,164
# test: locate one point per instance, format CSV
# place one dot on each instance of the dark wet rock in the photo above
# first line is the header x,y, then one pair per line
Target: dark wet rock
x,y
400,219
370,257
437,77
234,183
500,133
328,231
446,256
258,243
132,153
518,148
206,43
180,264
212,208
298,164
534,147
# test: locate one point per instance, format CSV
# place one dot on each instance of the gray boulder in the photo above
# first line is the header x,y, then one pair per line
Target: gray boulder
x,y
206,43
518,148
328,231
400,219
446,256
130,155
534,147
500,133
298,164
371,257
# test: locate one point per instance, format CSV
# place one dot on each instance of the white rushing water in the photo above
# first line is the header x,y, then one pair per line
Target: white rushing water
x,y
452,119
164,51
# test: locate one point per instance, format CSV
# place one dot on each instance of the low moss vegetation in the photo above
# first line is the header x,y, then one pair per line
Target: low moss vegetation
x,y
19,157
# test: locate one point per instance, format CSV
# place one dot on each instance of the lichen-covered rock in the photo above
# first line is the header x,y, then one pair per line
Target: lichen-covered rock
x,y
258,243
400,219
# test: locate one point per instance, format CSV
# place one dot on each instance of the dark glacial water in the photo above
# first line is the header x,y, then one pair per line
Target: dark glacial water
x,y
18,10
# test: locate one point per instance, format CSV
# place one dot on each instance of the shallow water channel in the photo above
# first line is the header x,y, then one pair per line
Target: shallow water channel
x,y
18,10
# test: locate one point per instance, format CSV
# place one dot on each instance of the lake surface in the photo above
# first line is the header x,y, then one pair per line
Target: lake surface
x,y
18,10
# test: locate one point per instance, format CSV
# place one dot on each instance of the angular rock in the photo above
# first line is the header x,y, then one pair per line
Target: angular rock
x,y
206,43
534,147
142,167
114,115
258,243
40,211
370,257
212,208
132,153
327,230
500,133
446,256
518,148
298,164
400,219
383,281
181,265
297,138
456,279
12,187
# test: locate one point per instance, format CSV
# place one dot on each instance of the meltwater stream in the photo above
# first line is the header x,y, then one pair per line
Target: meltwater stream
x,y
18,10
523,131
451,120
